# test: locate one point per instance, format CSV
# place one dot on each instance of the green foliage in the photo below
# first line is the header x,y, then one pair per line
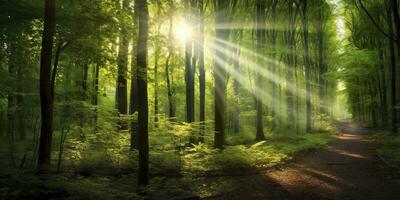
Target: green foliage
x,y
389,146
27,185
273,151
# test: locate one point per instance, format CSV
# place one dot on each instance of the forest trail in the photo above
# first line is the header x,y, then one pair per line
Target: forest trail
x,y
347,170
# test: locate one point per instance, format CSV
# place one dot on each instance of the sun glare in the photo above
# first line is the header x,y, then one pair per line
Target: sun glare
x,y
183,32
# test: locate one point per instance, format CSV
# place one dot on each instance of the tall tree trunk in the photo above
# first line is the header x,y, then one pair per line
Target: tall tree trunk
x,y
96,95
21,119
220,74
202,72
171,102
134,99
236,87
393,92
260,34
273,64
11,103
46,98
383,93
291,41
307,67
156,55
84,93
189,71
123,48
321,64
396,19
143,117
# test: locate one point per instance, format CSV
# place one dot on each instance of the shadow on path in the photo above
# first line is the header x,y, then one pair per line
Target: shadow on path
x,y
346,170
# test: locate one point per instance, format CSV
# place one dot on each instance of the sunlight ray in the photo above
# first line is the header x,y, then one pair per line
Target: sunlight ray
x,y
258,93
266,73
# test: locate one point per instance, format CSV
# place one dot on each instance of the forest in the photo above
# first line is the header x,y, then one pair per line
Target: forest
x,y
199,99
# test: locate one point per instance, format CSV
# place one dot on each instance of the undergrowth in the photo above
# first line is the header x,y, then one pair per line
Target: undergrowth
x,y
274,150
389,146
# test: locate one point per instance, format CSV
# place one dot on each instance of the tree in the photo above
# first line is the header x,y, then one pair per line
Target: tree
x,y
260,34
189,68
170,92
273,33
202,72
46,98
143,112
307,65
123,48
219,71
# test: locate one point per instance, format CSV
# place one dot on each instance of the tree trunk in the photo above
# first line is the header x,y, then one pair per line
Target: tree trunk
x,y
307,67
156,55
291,42
122,93
260,34
202,72
11,104
321,65
46,98
21,119
220,74
189,72
134,100
236,88
396,19
383,95
96,95
143,117
273,65
393,92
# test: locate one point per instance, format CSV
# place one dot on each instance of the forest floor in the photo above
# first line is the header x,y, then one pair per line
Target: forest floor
x,y
347,170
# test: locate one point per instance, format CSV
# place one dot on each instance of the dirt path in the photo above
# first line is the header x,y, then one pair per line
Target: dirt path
x,y
346,170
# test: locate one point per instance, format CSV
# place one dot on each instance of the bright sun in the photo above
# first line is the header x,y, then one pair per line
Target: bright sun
x,y
183,31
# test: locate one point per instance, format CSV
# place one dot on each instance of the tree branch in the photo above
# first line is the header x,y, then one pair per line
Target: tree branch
x,y
61,46
374,22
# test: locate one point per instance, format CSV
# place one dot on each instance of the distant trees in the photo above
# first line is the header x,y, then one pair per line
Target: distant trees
x,y
369,97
